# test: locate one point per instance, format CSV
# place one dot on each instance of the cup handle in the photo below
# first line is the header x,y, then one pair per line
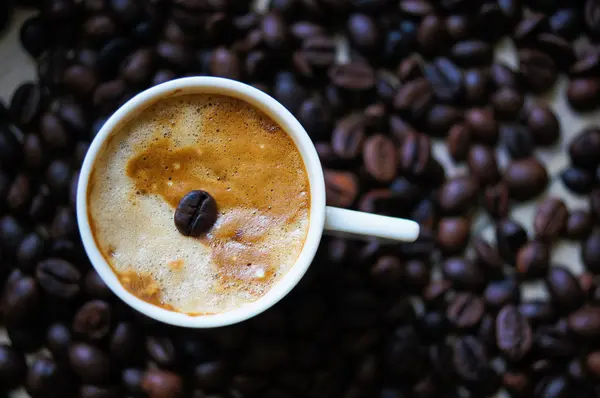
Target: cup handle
x,y
357,224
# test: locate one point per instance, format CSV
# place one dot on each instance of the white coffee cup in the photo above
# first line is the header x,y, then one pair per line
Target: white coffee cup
x,y
322,217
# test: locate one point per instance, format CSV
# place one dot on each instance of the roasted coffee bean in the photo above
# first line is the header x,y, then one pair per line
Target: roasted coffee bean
x,y
132,380
125,343
10,148
50,66
177,56
411,68
517,140
513,333
587,65
225,63
100,28
518,384
529,27
414,99
458,141
163,76
440,118
162,384
533,259
108,95
554,341
90,363
477,87
550,219
19,194
387,272
95,287
500,293
11,234
558,48
564,289
584,148
483,125
379,158
91,391
161,350
503,75
196,213
472,53
353,77
34,153
590,252
483,165
526,178
537,311
583,94
58,177
566,22
446,79
543,125
585,322
432,35
487,258
507,103
42,204
30,251
579,225
26,103
138,67
348,136
363,32
510,237
458,195
315,115
469,360
538,70
496,200
453,234
46,378
376,116
73,116
58,340
35,36
459,27
341,188
54,132
58,278
274,31
304,30
590,14
578,181
64,224
92,320
399,43
463,273
415,155
593,363
20,302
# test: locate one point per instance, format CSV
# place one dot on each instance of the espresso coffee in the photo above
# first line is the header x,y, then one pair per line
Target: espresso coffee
x,y
223,146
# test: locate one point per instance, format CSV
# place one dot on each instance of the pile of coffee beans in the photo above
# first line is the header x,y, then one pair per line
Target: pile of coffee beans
x,y
442,317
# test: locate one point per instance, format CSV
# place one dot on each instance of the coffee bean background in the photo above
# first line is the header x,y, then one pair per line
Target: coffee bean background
x,y
480,120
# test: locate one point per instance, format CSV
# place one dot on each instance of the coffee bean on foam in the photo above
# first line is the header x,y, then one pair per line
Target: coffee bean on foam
x,y
221,145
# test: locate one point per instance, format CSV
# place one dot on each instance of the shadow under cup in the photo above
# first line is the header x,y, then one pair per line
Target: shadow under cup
x,y
279,114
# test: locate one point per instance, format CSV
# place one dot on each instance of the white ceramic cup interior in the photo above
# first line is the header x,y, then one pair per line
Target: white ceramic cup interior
x,y
322,218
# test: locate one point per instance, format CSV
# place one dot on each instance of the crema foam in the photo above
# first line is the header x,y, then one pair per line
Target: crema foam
x,y
218,144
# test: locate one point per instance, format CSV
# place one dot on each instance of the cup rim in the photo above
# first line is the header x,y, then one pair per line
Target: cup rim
x,y
275,110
